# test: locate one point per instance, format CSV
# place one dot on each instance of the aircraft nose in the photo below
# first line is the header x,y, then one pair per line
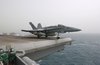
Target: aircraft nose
x,y
80,30
77,29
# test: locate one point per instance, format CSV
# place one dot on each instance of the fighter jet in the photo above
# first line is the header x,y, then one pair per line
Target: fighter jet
x,y
50,30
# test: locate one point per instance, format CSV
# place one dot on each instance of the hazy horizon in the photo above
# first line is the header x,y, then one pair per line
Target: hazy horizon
x,y
82,14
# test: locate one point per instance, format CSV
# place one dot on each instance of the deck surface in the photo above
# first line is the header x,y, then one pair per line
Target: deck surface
x,y
13,40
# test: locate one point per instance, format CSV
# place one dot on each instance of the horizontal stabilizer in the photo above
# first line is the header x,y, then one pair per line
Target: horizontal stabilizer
x,y
35,30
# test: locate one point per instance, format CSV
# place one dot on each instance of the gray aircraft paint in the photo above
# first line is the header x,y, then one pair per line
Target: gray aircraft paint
x,y
50,30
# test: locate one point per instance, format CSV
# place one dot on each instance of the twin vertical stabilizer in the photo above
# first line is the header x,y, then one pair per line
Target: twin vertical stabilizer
x,y
33,27
39,26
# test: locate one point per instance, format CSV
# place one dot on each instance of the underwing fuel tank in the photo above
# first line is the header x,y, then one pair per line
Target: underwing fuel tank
x,y
42,34
39,33
51,34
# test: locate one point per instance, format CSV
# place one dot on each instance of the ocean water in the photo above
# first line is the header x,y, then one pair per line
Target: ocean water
x,y
85,50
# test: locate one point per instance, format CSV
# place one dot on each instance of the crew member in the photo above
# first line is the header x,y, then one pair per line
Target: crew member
x,y
11,56
3,57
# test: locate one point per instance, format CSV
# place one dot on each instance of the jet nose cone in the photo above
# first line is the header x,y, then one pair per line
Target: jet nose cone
x,y
78,29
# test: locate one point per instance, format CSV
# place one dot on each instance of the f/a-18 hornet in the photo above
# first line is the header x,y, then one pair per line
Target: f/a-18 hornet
x,y
50,30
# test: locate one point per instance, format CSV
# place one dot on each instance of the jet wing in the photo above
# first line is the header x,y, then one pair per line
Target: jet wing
x,y
40,30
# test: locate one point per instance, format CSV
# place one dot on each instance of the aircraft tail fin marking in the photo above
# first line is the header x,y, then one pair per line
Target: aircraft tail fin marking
x,y
39,26
33,26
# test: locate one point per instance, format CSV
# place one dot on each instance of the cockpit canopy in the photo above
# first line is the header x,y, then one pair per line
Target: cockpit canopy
x,y
60,25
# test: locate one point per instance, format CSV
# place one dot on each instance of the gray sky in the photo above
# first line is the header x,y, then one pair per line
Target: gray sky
x,y
16,14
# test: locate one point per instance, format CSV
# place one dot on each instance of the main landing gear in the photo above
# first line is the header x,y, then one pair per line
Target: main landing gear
x,y
46,36
58,37
38,36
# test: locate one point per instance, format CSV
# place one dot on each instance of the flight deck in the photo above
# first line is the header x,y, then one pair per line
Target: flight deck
x,y
33,47
14,40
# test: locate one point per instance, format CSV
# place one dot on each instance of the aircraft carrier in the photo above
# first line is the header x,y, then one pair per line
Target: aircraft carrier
x,y
32,47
